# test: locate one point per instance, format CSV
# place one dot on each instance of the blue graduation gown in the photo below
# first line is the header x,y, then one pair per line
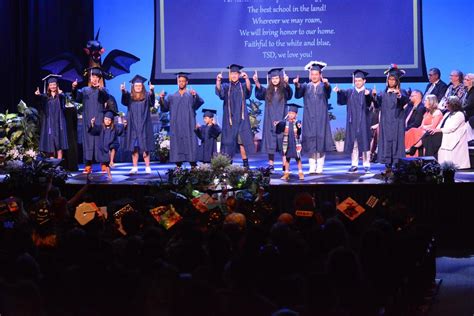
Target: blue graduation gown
x,y
107,138
291,151
140,127
275,111
93,101
391,144
357,120
53,134
236,93
208,135
183,141
316,133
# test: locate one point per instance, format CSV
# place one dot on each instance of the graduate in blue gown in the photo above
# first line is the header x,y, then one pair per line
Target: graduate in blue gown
x,y
139,137
316,133
290,129
391,143
182,106
236,131
275,95
358,135
208,134
107,133
53,135
93,100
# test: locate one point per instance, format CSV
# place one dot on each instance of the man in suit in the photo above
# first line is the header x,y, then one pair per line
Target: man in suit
x,y
436,86
414,111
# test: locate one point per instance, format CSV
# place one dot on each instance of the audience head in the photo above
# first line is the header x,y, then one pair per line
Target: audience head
x,y
286,218
454,104
237,219
434,74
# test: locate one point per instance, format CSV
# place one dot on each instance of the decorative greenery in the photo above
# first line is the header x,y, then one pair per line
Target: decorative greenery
x,y
219,162
253,107
332,117
339,134
71,103
417,171
19,134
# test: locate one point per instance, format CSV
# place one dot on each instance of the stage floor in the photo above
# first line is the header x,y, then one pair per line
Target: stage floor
x,y
335,172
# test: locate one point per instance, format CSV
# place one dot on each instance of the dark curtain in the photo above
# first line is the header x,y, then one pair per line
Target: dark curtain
x,y
33,31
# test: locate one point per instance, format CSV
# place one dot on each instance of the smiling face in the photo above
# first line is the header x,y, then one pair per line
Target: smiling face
x,y
53,87
454,78
95,80
234,76
291,115
432,76
415,97
138,87
182,83
359,82
107,121
315,76
275,80
468,81
392,82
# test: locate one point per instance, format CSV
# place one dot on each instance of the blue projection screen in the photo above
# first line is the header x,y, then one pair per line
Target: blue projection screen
x,y
203,37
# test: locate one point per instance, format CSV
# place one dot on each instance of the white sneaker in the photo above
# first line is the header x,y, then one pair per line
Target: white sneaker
x,y
147,170
134,170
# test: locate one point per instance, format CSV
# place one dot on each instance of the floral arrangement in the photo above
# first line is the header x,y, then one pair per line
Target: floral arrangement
x,y
339,134
162,146
417,170
19,134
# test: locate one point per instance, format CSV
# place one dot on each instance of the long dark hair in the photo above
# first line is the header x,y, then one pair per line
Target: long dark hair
x,y
397,85
271,91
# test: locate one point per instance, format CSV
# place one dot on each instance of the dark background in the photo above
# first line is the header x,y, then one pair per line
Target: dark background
x,y
33,31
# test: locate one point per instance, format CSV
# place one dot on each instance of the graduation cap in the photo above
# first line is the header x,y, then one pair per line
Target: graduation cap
x,y
138,79
110,113
49,79
209,113
183,74
235,68
292,107
315,65
85,212
393,70
97,71
275,72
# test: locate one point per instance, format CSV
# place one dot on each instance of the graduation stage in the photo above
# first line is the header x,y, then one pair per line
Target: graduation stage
x,y
445,206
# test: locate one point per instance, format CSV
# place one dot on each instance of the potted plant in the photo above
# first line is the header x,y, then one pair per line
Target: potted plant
x,y
162,147
448,170
339,135
253,107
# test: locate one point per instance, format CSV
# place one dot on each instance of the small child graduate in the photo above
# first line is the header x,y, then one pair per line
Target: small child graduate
x,y
108,133
208,134
291,146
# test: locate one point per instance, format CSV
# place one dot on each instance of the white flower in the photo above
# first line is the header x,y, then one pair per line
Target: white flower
x,y
165,144
30,153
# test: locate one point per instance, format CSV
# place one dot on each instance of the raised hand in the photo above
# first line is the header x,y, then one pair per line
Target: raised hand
x,y
286,79
325,81
255,77
93,121
162,94
74,84
219,76
122,87
151,86
37,92
296,80
336,89
367,92
374,91
193,92
244,75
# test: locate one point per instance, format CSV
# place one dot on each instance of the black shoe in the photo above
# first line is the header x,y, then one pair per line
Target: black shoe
x,y
352,169
373,157
246,164
367,169
411,151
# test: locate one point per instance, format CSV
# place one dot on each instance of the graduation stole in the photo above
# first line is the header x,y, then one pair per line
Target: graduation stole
x,y
229,102
286,133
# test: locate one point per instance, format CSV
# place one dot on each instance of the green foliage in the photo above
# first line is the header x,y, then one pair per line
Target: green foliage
x,y
339,134
253,107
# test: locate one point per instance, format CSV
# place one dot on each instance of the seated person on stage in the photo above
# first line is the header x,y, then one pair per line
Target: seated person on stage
x,y
415,135
468,104
291,146
452,130
208,134
455,88
414,111
108,134
436,86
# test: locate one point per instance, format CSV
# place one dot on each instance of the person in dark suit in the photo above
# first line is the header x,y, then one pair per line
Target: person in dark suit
x,y
436,86
415,110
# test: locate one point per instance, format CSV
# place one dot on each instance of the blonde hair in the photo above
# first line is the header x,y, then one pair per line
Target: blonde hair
x,y
433,102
